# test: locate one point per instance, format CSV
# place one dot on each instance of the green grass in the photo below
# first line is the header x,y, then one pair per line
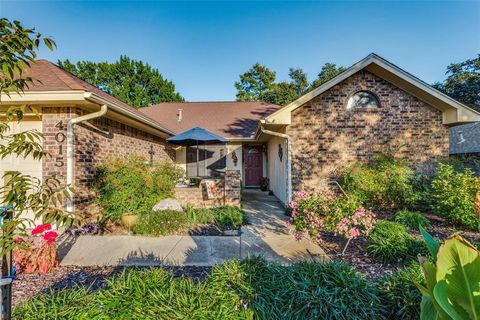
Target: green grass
x,y
249,289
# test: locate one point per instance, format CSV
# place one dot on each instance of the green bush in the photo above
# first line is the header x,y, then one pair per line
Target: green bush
x,y
161,223
139,294
412,219
249,289
200,216
454,195
386,183
390,242
132,186
229,217
307,290
400,295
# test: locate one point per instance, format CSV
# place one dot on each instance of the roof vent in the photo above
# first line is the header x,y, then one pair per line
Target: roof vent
x,y
179,115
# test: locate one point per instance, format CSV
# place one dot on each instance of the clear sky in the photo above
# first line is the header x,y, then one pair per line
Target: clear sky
x,y
204,46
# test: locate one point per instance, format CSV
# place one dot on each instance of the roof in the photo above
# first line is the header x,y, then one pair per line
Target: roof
x,y
454,112
229,119
465,138
49,77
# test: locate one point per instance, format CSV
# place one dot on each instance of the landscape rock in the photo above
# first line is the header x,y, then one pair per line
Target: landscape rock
x,y
167,204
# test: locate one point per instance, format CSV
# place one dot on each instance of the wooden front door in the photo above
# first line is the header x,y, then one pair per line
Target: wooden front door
x,y
253,167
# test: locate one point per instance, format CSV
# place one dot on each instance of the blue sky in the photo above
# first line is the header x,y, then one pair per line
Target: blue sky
x,y
204,46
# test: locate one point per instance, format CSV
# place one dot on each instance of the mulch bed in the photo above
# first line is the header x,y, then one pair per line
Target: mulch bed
x,y
356,251
26,286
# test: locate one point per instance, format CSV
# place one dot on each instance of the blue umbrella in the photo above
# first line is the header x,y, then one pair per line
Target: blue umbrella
x,y
196,136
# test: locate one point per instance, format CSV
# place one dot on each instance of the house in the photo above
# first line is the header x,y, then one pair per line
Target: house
x,y
302,146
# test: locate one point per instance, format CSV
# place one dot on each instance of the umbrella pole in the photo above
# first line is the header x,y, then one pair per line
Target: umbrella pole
x,y
198,159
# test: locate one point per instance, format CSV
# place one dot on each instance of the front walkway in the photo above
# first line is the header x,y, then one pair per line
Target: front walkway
x,y
266,236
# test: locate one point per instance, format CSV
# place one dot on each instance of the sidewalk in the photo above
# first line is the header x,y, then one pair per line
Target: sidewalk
x,y
266,236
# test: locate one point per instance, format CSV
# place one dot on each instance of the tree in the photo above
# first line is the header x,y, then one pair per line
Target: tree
x,y
463,82
22,193
329,71
131,81
255,83
258,84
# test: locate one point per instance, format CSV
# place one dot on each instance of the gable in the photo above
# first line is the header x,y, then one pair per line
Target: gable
x,y
453,112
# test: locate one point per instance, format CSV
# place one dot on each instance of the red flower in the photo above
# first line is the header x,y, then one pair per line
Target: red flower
x,y
50,236
41,228
19,240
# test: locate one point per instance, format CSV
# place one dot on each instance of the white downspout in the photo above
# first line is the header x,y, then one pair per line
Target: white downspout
x,y
70,151
289,163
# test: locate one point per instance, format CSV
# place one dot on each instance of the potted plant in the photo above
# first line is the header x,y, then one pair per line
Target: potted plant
x,y
264,181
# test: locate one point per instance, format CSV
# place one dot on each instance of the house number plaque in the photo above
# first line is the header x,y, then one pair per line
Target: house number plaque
x,y
60,138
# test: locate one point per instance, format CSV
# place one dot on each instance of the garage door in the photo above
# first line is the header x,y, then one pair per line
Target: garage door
x,y
27,166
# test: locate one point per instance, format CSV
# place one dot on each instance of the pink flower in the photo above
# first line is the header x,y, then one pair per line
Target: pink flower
x,y
41,229
50,236
353,233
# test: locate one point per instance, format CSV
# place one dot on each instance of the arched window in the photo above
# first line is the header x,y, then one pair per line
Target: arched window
x,y
363,100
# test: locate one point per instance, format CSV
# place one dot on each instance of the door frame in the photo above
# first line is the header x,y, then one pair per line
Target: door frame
x,y
259,148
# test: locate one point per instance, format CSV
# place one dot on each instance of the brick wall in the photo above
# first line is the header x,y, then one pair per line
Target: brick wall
x,y
95,141
326,136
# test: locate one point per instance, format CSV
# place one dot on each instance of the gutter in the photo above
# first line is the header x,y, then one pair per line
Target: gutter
x,y
289,163
97,99
70,150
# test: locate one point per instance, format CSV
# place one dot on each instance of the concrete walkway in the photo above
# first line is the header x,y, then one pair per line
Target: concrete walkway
x,y
266,236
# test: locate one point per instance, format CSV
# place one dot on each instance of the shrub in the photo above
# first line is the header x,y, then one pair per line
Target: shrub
x,y
454,195
161,223
200,216
307,290
390,242
384,184
326,212
228,217
38,252
412,219
400,295
132,186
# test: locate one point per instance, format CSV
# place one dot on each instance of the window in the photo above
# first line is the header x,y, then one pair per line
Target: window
x,y
363,100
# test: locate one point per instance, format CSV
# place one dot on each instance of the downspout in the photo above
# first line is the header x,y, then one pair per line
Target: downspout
x,y
289,163
70,151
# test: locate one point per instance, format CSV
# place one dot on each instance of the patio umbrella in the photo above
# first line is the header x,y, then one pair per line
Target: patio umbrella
x,y
196,136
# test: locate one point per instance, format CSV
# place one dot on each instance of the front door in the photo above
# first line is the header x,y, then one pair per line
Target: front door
x,y
253,167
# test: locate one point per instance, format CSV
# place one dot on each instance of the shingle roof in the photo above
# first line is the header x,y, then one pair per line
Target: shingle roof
x,y
49,77
229,119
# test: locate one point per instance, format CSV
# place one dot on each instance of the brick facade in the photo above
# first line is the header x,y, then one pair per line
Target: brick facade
x,y
326,136
95,141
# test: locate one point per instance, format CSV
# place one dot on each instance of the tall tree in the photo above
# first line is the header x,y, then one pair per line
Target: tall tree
x,y
255,83
329,71
131,81
463,82
258,83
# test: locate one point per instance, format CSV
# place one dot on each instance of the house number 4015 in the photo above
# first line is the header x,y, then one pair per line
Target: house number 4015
x,y
60,138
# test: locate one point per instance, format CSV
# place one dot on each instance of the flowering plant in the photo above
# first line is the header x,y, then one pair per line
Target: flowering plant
x,y
343,215
38,252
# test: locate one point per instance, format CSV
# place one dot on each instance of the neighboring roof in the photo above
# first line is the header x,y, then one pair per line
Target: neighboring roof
x,y
229,119
454,112
49,77
465,138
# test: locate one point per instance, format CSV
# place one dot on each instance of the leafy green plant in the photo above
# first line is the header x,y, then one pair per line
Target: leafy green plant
x,y
385,183
454,195
411,219
161,223
399,293
390,242
452,280
132,186
229,217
